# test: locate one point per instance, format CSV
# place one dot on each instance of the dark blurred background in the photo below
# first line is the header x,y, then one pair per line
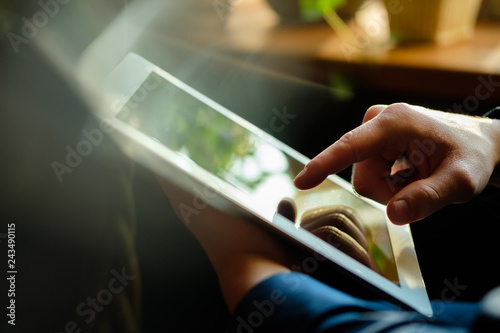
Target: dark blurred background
x,y
259,62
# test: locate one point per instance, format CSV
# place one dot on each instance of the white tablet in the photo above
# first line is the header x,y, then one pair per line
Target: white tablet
x,y
224,160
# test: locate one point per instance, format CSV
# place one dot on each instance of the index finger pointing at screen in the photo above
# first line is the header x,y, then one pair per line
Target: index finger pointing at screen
x,y
355,146
363,142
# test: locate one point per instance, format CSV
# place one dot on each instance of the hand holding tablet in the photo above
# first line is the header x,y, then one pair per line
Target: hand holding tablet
x,y
228,165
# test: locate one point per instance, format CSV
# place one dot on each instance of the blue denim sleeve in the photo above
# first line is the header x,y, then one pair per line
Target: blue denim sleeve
x,y
294,302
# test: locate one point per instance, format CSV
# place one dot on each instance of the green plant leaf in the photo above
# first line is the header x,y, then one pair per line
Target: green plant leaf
x,y
321,6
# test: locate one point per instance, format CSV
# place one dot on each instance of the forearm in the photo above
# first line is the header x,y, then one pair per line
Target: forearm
x,y
241,252
240,273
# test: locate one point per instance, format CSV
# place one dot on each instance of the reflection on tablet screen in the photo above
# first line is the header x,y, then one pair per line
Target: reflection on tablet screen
x,y
265,173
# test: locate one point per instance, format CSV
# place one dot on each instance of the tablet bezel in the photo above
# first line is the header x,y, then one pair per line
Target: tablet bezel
x,y
121,85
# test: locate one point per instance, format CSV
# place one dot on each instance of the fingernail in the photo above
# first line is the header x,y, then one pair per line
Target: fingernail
x,y
302,173
402,211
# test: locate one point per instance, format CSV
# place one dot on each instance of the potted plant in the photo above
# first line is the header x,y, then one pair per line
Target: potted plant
x,y
334,12
439,21
313,10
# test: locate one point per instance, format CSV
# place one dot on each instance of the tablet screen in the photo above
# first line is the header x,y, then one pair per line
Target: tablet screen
x,y
246,160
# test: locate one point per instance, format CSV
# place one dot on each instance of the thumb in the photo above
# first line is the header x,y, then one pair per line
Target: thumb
x,y
422,198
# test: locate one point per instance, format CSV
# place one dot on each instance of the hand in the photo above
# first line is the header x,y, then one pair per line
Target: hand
x,y
242,253
413,159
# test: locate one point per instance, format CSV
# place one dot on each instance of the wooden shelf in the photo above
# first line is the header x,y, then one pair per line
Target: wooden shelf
x,y
451,71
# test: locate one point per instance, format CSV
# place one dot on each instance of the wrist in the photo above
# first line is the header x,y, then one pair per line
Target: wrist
x,y
242,272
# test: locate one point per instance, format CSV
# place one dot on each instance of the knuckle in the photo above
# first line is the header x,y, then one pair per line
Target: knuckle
x,y
348,137
348,141
430,193
356,147
401,105
466,180
373,111
398,108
